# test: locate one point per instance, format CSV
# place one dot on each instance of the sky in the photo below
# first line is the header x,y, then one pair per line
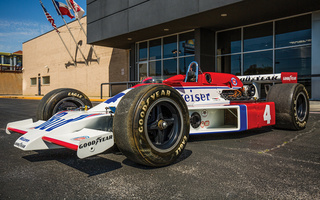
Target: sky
x,y
22,20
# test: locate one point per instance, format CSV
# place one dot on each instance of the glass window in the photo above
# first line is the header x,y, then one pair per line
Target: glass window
x,y
6,60
230,64
143,54
186,44
170,47
170,67
33,81
155,68
258,63
296,59
229,42
258,37
293,31
184,63
155,49
143,71
159,57
46,80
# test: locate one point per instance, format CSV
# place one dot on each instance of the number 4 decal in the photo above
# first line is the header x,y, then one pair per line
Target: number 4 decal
x,y
267,114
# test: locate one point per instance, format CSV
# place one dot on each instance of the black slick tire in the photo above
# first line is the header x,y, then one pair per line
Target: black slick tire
x,y
61,99
291,104
151,125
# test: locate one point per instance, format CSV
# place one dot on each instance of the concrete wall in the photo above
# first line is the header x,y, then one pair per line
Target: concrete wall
x,y
10,83
48,50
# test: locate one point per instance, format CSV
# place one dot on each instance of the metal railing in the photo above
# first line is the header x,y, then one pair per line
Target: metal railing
x,y
128,83
12,69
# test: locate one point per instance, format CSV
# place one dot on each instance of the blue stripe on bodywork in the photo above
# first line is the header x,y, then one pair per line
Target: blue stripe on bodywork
x,y
115,98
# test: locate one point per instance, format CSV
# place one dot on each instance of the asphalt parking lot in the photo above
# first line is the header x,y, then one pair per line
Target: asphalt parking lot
x,y
257,164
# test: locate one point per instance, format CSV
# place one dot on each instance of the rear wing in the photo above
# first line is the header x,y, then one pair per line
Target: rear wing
x,y
258,80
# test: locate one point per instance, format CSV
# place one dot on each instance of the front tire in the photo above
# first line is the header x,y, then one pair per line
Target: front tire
x,y
59,100
292,105
151,125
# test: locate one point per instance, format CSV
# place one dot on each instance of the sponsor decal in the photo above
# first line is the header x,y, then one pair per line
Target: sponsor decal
x,y
205,123
80,138
272,77
17,144
95,142
289,77
195,97
234,81
202,124
24,139
204,113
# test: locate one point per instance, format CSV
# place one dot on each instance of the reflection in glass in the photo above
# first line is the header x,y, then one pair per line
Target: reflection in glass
x,y
296,59
258,63
170,67
186,44
143,51
170,47
230,64
229,42
155,68
6,59
258,37
142,71
184,63
293,31
155,49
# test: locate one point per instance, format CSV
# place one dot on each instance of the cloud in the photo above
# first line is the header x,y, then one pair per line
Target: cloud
x,y
14,33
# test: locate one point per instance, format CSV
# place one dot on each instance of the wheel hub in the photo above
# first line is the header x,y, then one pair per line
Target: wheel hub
x,y
162,124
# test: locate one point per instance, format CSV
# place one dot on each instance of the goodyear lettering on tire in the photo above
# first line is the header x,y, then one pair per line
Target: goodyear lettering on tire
x,y
304,122
74,94
146,104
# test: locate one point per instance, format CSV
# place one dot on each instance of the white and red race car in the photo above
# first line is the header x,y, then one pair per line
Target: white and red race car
x,y
150,123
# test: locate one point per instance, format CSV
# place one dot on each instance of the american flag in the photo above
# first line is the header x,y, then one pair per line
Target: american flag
x,y
49,18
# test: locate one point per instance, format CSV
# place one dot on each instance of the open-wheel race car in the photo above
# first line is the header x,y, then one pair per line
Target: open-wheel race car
x,y
150,123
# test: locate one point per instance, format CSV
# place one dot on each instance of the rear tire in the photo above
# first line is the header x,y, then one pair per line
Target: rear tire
x,y
59,100
291,104
151,125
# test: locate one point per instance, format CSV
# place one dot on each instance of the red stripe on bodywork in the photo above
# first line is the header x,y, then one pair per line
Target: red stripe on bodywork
x,y
61,143
17,130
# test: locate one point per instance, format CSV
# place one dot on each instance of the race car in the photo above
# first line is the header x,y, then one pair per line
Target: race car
x,y
150,123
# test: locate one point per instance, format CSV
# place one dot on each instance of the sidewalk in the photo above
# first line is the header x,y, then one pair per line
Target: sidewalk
x,y
314,105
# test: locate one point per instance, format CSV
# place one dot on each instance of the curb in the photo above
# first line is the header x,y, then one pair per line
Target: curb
x,y
40,97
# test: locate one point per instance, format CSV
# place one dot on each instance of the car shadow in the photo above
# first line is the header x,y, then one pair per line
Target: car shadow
x,y
91,166
230,135
185,154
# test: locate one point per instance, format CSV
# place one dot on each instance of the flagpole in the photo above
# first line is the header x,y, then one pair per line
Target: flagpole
x,y
55,28
70,32
74,11
67,49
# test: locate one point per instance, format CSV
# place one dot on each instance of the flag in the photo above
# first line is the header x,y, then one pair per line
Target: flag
x,y
78,11
63,8
49,18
